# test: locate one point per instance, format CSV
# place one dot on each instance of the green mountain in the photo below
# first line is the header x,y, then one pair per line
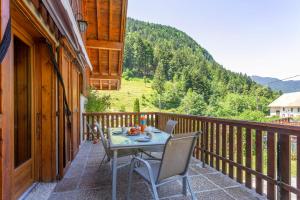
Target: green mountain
x,y
277,84
188,70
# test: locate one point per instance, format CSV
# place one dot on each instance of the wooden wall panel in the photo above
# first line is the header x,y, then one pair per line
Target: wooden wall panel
x,y
75,110
6,109
69,137
48,169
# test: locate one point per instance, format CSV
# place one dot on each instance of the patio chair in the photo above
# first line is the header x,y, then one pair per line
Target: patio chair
x,y
108,152
170,168
170,126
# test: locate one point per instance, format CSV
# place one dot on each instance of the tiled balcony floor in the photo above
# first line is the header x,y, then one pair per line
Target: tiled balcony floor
x,y
86,180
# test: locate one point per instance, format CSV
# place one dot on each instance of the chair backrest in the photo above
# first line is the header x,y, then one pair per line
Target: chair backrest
x,y
89,129
170,126
177,154
103,139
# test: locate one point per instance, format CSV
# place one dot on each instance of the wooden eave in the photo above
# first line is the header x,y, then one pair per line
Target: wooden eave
x,y
105,41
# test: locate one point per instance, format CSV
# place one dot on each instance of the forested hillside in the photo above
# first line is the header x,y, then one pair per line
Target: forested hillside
x,y
185,78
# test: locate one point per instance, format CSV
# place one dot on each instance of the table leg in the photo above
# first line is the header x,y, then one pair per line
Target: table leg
x,y
114,175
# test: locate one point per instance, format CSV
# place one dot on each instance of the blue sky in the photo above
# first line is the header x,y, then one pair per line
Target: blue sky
x,y
257,37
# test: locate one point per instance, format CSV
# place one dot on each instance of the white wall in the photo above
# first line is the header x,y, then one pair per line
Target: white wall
x,y
83,101
285,111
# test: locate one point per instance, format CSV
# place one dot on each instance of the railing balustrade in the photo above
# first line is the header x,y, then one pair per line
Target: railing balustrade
x,y
256,154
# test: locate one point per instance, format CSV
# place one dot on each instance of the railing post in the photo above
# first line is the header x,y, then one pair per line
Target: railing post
x,y
283,165
88,129
224,148
83,126
248,157
204,153
271,164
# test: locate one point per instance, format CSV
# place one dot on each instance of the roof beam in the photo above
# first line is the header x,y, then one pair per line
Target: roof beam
x,y
101,44
104,77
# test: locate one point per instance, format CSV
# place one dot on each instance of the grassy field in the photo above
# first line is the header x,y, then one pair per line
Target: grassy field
x,y
122,100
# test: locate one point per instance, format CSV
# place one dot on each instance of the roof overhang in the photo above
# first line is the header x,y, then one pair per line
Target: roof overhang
x,y
62,14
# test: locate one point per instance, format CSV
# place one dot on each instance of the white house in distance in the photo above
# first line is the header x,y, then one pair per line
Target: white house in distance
x,y
287,105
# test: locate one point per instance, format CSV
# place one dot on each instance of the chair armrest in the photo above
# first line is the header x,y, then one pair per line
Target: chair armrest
x,y
148,166
146,163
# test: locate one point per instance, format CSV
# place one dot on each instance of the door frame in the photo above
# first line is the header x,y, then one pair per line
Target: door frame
x,y
25,37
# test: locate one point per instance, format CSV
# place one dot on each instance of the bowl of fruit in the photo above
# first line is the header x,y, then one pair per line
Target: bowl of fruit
x,y
133,131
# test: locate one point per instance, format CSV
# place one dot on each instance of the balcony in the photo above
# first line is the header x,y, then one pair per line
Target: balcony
x,y
260,156
232,160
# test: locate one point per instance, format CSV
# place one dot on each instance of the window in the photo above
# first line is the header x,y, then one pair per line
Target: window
x,y
292,109
298,110
283,109
22,106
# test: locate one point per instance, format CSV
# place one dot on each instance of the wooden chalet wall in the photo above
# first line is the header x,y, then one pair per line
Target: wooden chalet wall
x,y
105,41
46,111
5,108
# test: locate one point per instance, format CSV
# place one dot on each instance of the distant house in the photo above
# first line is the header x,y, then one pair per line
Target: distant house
x,y
287,105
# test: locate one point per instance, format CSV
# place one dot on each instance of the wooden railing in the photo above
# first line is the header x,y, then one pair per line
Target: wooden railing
x,y
256,154
287,121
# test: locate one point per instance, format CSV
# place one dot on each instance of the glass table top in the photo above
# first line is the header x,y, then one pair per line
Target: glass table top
x,y
123,141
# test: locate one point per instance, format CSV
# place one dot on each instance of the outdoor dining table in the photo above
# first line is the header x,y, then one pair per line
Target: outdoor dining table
x,y
124,141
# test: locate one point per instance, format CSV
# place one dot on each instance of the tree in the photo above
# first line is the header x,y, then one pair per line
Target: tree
x,y
136,105
193,103
97,103
136,108
159,81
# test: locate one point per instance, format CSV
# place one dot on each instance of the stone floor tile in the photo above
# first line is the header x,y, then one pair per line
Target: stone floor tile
x,y
242,193
92,194
178,197
192,172
86,179
64,196
194,161
200,170
213,195
170,189
93,162
74,171
140,191
41,191
221,180
200,183
67,184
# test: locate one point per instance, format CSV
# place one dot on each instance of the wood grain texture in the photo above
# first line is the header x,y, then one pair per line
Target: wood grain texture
x,y
105,41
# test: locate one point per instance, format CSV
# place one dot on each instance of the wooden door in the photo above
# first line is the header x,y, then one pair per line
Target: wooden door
x,y
34,146
23,142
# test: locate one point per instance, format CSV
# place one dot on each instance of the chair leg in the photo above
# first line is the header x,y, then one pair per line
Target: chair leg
x,y
102,160
154,193
190,189
130,180
184,181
